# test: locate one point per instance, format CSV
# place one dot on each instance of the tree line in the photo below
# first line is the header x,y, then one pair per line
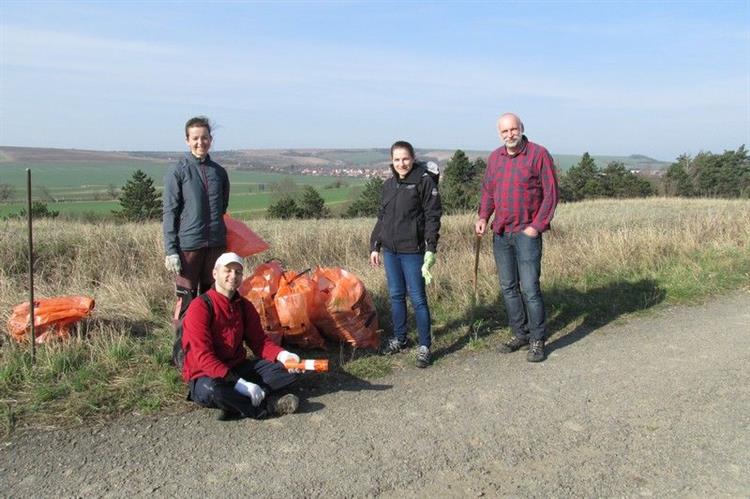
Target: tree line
x,y
707,175
724,175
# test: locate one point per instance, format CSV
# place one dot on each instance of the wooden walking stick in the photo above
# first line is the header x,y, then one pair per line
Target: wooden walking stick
x,y
477,245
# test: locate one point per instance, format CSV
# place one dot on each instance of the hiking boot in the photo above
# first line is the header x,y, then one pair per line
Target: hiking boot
x,y
536,351
227,415
286,404
423,357
512,345
394,345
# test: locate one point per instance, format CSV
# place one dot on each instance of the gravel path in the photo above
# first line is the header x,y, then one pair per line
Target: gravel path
x,y
654,405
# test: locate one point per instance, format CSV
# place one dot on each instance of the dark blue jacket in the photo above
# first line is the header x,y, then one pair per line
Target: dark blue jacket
x,y
196,196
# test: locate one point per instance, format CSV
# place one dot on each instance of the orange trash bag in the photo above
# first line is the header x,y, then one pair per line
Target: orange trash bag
x,y
344,310
260,288
294,301
242,240
52,317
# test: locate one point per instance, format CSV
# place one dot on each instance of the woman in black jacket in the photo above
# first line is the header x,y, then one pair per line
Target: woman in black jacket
x,y
407,230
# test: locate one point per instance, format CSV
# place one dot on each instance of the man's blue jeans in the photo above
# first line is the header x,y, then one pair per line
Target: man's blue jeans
x,y
404,273
519,264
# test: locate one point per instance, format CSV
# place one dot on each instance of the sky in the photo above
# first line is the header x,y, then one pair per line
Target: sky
x,y
659,78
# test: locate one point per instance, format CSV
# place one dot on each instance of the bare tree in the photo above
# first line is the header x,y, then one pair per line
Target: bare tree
x,y
7,192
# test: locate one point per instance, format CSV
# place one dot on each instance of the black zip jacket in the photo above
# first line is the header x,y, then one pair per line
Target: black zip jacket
x,y
409,215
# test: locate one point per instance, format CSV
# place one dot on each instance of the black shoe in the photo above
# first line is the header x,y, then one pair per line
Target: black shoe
x,y
286,404
536,351
423,357
226,415
512,345
394,345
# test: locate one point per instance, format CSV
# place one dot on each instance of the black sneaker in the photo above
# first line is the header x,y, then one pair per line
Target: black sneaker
x,y
512,345
536,351
286,404
394,345
227,415
423,357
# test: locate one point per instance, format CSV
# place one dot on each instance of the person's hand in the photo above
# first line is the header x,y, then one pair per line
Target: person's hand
x,y
172,263
375,259
531,231
251,390
480,226
429,261
285,356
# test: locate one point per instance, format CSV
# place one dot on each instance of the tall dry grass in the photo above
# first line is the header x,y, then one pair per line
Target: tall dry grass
x,y
602,258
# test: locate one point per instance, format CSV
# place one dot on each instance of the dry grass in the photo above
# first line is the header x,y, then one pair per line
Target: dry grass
x,y
602,259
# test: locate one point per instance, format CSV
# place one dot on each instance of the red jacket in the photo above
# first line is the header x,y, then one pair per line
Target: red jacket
x,y
212,347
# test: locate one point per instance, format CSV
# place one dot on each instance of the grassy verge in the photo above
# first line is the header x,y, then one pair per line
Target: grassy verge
x,y
602,261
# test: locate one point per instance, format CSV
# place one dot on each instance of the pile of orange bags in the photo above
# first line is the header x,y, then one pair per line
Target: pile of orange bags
x,y
260,288
344,309
298,307
52,317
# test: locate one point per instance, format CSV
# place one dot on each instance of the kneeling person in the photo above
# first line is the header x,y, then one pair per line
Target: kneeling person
x,y
216,368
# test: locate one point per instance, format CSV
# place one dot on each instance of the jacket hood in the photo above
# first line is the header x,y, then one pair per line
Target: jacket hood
x,y
414,174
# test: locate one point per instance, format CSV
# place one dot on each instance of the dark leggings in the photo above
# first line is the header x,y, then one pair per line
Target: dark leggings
x,y
215,392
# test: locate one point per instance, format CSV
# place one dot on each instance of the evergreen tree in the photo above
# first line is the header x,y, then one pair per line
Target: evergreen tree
x,y
677,181
7,192
285,207
368,202
459,190
311,204
710,175
618,182
725,175
139,199
582,181
39,209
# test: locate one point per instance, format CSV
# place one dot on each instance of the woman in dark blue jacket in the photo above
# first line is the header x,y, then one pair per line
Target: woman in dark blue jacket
x,y
407,231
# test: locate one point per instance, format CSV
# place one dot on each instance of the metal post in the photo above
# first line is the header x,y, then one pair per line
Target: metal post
x,y
31,266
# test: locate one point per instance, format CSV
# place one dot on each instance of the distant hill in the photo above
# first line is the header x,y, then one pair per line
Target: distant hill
x,y
310,161
47,155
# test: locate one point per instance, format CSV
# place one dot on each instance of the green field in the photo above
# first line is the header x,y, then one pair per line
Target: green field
x,y
84,188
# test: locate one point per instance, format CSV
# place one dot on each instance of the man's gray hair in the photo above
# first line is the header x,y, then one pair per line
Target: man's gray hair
x,y
508,115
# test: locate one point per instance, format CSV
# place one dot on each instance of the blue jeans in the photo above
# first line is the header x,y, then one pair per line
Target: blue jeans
x,y
404,273
519,264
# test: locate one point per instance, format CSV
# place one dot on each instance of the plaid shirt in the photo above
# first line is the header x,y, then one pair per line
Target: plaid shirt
x,y
521,190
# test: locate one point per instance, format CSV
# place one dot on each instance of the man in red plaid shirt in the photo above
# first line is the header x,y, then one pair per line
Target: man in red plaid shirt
x,y
520,189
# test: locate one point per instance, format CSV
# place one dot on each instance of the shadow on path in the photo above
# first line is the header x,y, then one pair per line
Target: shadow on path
x,y
593,308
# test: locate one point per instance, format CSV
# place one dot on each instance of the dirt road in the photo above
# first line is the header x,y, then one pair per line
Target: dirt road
x,y
654,405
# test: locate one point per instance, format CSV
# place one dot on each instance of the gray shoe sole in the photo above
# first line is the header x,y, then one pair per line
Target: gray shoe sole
x,y
286,404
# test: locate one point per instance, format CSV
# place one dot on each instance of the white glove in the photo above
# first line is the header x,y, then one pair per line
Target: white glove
x,y
429,261
251,390
284,356
172,263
